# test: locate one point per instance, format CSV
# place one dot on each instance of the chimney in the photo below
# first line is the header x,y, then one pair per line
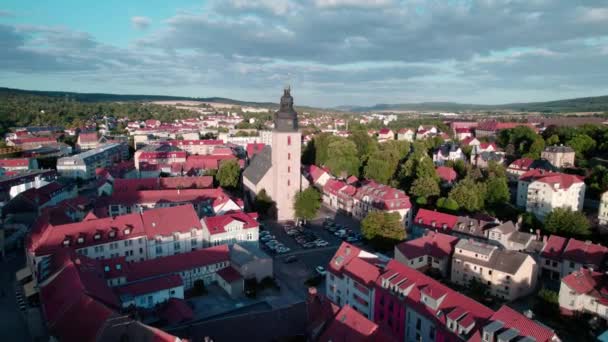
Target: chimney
x,y
347,250
312,294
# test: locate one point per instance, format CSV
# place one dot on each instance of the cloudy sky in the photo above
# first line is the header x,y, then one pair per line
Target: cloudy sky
x,y
332,52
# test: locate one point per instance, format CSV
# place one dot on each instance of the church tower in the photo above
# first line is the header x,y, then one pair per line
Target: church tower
x,y
286,153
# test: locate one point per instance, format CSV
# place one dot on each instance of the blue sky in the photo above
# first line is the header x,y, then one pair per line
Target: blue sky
x,y
333,52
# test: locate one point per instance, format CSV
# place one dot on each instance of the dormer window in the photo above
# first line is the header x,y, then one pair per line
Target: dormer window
x,y
118,267
66,242
80,240
112,233
97,236
420,221
433,224
445,226
106,268
127,231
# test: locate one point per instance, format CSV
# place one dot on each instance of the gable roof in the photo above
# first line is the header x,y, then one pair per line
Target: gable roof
x,y
524,326
446,173
166,221
437,245
259,165
435,220
217,224
350,325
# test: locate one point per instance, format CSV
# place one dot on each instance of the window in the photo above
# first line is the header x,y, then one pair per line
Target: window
x,y
418,323
288,156
176,245
490,272
571,264
289,140
159,249
288,182
289,169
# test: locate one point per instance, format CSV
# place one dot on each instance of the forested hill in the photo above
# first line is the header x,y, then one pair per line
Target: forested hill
x,y
101,97
583,104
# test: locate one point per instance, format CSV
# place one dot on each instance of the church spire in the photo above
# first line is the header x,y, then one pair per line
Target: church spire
x,y
286,118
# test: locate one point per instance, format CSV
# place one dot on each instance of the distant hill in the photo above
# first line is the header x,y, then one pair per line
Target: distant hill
x,y
101,97
583,104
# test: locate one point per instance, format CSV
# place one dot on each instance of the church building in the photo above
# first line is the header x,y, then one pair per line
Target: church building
x,y
276,169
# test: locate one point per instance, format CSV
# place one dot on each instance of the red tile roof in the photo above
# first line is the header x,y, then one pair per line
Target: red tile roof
x,y
93,232
435,220
316,172
215,196
205,162
34,140
362,271
217,224
89,137
463,130
554,247
585,281
468,141
178,262
384,131
151,285
525,326
453,304
83,320
254,148
585,252
382,196
229,274
176,311
521,164
446,173
14,162
564,181
202,182
350,325
437,245
166,221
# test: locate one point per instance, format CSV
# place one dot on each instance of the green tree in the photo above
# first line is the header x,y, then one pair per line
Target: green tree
x,y
553,140
468,194
535,149
378,168
425,187
565,222
366,145
382,229
582,145
497,191
228,173
344,161
496,169
447,204
307,204
321,145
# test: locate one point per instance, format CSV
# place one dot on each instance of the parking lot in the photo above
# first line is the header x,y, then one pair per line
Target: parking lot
x,y
307,247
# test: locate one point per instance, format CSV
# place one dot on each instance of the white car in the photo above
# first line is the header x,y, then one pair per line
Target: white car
x,y
321,270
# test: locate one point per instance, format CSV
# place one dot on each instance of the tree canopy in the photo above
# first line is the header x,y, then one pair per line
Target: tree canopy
x,y
307,203
497,191
344,161
382,228
565,222
425,187
469,195
228,174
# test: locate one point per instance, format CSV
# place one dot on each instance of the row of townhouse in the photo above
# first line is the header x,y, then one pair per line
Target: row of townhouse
x,y
561,257
411,306
84,165
137,237
18,164
15,183
540,192
508,274
359,198
479,228
205,201
78,305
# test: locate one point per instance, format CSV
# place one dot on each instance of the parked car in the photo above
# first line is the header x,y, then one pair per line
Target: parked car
x,y
290,259
321,270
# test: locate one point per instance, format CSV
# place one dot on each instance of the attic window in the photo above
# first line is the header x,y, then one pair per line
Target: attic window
x,y
112,233
433,224
118,267
420,220
444,226
106,268
97,236
66,242
80,240
127,231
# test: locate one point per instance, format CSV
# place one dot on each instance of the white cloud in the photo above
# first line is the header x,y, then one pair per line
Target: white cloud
x,y
352,3
140,23
595,15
